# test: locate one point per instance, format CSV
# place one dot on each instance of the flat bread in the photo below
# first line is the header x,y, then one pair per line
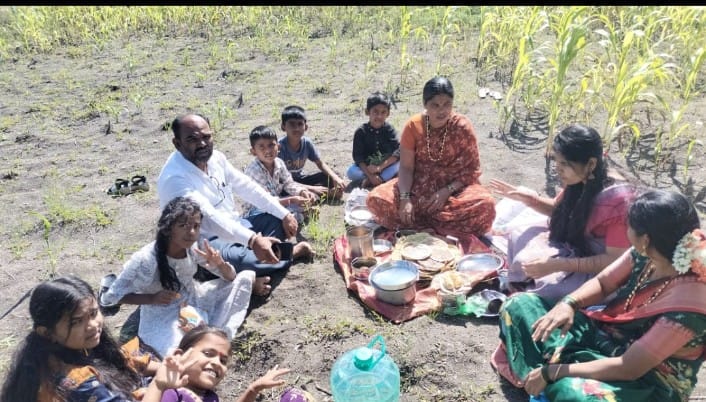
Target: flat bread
x,y
416,252
441,254
430,265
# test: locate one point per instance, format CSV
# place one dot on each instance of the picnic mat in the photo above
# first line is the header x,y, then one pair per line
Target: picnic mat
x,y
426,299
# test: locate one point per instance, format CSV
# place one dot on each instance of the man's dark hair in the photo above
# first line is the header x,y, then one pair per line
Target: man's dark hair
x,y
176,123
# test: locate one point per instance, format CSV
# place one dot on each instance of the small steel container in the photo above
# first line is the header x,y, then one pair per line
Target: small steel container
x,y
395,282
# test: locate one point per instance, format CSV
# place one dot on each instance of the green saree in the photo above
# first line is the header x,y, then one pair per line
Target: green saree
x,y
609,333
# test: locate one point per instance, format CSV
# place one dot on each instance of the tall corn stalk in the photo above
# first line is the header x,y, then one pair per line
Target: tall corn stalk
x,y
632,70
525,78
570,28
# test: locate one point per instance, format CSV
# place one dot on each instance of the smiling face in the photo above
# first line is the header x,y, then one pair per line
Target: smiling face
x,y
80,329
265,150
439,109
210,359
195,140
377,115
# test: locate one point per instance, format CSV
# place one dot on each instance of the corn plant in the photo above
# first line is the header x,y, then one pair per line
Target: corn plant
x,y
570,28
631,73
448,28
525,78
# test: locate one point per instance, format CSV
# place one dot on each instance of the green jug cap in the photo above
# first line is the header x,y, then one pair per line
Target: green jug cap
x,y
363,359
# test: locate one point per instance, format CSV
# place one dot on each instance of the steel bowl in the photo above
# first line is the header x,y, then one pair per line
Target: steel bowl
x,y
360,215
479,262
381,246
361,266
394,282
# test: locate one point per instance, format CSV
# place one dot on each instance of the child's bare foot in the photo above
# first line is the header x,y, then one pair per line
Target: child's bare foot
x,y
262,287
303,250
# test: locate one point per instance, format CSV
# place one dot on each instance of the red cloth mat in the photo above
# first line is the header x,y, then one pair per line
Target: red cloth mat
x,y
426,299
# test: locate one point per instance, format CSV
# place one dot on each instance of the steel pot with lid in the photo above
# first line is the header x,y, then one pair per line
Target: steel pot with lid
x,y
395,281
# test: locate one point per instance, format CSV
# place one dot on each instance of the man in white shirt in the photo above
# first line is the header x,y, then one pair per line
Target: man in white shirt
x,y
197,171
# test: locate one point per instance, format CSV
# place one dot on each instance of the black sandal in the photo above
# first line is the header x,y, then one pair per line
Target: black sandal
x,y
139,183
119,188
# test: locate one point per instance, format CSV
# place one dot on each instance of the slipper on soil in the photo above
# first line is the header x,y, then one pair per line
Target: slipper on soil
x,y
119,188
495,95
139,183
483,92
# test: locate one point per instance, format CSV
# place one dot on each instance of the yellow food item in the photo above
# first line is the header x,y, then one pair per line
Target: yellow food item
x,y
452,281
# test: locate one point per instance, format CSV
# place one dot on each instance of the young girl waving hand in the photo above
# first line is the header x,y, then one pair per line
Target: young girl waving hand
x,y
160,277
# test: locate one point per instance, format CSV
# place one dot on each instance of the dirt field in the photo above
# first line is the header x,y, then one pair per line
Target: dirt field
x,y
71,124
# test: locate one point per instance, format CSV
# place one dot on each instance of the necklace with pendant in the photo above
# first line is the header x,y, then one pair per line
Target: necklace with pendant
x,y
443,140
642,279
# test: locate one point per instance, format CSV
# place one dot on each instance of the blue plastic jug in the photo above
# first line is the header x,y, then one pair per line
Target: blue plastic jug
x,y
366,374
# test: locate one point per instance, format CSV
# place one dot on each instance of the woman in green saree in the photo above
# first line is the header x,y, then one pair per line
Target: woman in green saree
x,y
647,343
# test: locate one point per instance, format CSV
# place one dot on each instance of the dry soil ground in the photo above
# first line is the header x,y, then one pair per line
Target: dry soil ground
x,y
70,124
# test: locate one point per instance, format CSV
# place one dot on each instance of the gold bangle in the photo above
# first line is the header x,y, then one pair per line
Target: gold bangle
x,y
573,303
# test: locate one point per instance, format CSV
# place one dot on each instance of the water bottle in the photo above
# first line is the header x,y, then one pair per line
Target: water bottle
x,y
366,374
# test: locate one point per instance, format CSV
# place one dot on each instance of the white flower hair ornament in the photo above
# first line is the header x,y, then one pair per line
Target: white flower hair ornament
x,y
690,254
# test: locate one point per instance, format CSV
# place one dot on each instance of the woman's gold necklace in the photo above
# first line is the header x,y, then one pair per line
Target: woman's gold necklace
x,y
443,141
644,276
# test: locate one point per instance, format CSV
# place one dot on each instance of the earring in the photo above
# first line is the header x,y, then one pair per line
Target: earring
x,y
591,176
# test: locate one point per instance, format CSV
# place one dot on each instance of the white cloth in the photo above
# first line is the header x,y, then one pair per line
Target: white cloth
x,y
225,303
213,191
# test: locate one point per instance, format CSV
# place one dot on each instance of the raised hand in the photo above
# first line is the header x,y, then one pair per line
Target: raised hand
x,y
170,374
271,378
212,256
520,194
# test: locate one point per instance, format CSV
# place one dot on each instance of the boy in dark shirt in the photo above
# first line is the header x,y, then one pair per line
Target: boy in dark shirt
x,y
376,150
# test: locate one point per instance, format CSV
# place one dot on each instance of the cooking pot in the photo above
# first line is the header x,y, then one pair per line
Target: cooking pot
x,y
395,281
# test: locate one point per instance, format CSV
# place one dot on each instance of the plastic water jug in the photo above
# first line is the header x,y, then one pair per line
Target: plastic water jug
x,y
366,374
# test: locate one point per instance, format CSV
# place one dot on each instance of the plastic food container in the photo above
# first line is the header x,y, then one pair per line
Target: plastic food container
x,y
394,281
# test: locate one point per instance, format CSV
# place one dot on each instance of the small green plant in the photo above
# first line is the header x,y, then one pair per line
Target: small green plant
x,y
320,328
244,345
48,246
322,234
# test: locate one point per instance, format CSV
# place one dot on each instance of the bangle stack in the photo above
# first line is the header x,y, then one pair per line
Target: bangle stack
x,y
545,374
404,195
451,188
573,303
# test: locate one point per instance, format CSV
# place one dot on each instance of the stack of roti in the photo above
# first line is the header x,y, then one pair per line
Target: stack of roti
x,y
431,253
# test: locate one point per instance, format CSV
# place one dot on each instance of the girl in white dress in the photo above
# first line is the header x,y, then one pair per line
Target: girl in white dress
x,y
160,277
